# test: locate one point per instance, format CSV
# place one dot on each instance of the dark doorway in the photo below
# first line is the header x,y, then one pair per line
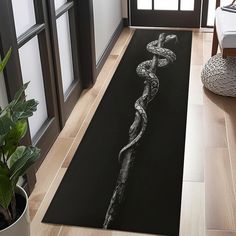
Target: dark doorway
x,y
165,13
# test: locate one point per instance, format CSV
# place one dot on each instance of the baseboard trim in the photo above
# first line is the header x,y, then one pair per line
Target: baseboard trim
x,y
126,22
109,47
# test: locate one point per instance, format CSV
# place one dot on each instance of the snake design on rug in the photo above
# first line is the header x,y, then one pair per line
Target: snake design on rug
x,y
147,70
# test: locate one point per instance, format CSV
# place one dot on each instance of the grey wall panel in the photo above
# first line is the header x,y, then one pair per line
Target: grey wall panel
x,y
124,9
107,16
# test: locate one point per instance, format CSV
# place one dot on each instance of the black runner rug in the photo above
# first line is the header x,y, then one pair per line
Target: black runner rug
x,y
153,196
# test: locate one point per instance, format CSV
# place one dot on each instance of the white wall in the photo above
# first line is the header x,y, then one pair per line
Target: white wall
x,y
107,16
124,9
3,93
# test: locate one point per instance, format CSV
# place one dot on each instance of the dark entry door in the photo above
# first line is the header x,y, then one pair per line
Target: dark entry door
x,y
165,13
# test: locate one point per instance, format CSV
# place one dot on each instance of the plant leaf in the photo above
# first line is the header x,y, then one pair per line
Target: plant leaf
x,y
20,92
4,169
5,124
17,155
6,192
19,130
14,136
23,162
2,140
5,60
24,109
18,96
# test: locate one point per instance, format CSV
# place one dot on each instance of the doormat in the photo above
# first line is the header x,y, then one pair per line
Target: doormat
x,y
127,172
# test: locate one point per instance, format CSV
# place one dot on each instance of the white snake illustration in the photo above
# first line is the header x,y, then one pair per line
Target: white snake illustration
x,y
146,70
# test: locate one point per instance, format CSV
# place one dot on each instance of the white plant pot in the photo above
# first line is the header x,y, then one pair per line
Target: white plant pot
x,y
22,226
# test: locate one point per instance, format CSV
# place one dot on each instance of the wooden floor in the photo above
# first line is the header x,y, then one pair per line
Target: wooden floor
x,y
208,199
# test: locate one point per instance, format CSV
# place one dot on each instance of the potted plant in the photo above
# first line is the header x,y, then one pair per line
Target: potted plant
x,y
15,159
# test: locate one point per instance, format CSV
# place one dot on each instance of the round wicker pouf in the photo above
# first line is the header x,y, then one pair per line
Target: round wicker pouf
x,y
219,75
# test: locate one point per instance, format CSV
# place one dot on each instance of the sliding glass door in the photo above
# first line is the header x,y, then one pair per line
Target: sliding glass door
x,y
165,13
64,38
24,27
46,51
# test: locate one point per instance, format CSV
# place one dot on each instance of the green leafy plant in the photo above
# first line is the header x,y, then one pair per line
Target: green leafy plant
x,y
15,159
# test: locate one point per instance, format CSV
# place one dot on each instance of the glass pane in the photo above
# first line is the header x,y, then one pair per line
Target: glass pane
x,y
166,5
59,3
63,32
3,92
144,4
32,71
187,5
211,10
24,15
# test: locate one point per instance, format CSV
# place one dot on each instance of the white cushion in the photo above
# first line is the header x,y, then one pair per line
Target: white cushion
x,y
226,28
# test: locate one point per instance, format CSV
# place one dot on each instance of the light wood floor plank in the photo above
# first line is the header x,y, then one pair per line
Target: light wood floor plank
x,y
220,201
207,45
230,120
79,231
197,45
47,171
37,227
122,42
192,209
220,233
119,233
195,85
194,145
214,121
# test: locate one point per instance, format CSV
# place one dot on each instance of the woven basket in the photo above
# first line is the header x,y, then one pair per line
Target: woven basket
x,y
219,75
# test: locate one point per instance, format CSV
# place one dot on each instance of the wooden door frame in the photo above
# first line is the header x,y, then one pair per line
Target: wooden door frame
x,y
86,47
205,4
